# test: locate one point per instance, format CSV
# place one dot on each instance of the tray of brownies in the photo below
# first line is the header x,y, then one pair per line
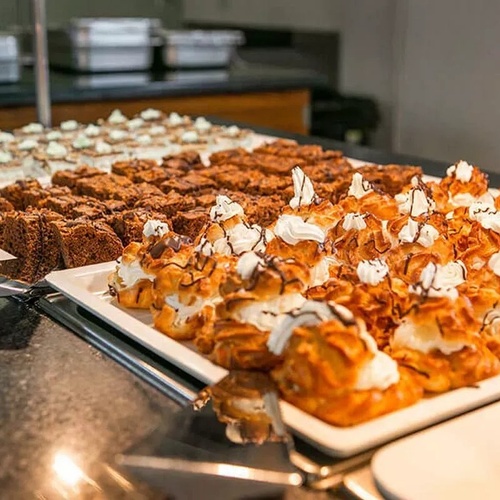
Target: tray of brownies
x,y
368,293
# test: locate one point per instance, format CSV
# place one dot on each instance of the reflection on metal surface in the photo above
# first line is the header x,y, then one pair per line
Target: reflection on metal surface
x,y
66,470
222,470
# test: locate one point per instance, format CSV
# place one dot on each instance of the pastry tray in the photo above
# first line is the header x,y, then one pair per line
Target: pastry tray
x,y
87,286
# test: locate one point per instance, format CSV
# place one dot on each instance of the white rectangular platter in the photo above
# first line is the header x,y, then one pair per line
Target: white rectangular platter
x,y
87,286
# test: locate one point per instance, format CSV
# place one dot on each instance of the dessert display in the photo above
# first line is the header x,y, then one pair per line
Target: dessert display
x,y
36,152
359,291
354,313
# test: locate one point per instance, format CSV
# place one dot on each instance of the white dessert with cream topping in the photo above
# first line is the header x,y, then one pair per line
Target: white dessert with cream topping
x,y
423,234
354,221
359,187
116,117
303,189
372,272
154,227
292,229
440,281
461,170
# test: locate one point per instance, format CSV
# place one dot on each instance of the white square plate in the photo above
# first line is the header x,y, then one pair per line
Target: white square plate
x,y
88,287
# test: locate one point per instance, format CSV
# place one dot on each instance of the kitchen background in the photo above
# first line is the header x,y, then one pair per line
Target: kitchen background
x,y
431,67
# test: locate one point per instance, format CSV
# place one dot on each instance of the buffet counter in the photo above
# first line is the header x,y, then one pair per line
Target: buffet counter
x,y
258,95
68,409
70,404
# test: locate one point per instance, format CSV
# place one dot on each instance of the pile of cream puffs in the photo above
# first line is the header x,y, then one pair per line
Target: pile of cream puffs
x,y
356,309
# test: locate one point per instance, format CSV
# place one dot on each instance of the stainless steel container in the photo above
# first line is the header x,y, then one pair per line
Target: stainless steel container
x,y
10,67
196,49
104,44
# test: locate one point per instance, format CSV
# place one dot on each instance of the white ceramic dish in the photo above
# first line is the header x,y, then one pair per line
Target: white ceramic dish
x,y
87,286
458,460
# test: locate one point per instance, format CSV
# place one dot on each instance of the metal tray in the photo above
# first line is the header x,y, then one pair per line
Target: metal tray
x,y
87,286
196,49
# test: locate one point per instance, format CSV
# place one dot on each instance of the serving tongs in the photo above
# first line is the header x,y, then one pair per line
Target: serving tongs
x,y
303,472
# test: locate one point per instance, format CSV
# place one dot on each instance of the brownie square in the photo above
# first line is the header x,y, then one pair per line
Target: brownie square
x,y
157,175
227,156
14,193
63,204
179,185
205,200
199,180
168,204
83,242
187,160
390,178
130,167
104,186
70,177
263,210
35,197
128,225
268,184
328,171
28,237
190,223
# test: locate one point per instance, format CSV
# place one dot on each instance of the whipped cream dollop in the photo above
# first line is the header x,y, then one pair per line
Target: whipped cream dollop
x,y
423,234
6,137
82,142
5,156
190,136
359,187
92,130
248,263
157,130
69,125
303,189
461,170
440,281
232,131
424,338
131,273
28,145
462,200
202,124
494,263
56,150
320,273
116,117
103,148
310,313
135,123
292,229
154,227
144,139
175,119
354,221
486,215
225,209
118,135
33,128
150,114
239,239
415,202
186,311
380,372
372,272
53,135
267,314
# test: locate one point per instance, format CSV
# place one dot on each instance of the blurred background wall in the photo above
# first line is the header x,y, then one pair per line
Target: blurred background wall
x,y
432,66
